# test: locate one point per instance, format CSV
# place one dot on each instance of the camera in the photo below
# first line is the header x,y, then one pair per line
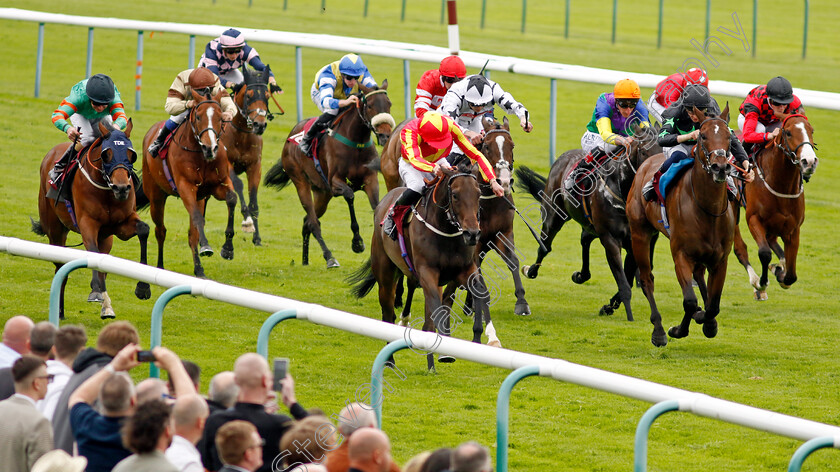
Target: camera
x,y
281,368
145,356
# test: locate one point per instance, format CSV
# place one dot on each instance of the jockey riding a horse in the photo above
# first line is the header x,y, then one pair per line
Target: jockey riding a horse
x,y
758,120
610,129
227,53
425,143
179,101
336,86
434,84
671,88
90,101
680,131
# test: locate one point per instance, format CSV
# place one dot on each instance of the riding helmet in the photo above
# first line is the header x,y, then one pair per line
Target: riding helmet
x,y
453,66
696,95
351,65
232,38
627,88
100,89
779,90
435,130
696,75
479,91
202,78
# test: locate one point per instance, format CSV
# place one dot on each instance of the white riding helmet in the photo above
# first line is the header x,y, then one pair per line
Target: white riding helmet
x,y
479,91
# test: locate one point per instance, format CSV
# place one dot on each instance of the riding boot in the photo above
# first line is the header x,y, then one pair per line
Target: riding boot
x,y
58,169
154,148
401,206
319,125
649,190
731,191
585,167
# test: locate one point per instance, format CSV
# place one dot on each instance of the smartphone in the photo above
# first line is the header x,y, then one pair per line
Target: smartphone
x,y
281,368
145,356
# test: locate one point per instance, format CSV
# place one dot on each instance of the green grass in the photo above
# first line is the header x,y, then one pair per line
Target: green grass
x,y
779,355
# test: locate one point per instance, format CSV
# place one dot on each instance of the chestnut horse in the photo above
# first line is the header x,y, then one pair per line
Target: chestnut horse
x,y
195,169
599,208
243,142
702,225
103,202
776,202
344,155
440,243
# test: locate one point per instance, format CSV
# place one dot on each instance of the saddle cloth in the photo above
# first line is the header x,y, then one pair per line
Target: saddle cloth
x,y
673,174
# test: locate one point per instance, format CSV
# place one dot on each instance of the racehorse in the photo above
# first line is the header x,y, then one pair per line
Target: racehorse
x,y
701,230
102,206
243,142
195,168
342,167
776,202
597,204
440,246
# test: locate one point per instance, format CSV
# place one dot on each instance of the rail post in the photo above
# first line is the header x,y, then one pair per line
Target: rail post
x,y
407,88
157,319
138,76
299,82
643,428
377,372
89,62
708,18
268,325
39,60
503,410
524,8
566,29
614,19
659,30
552,122
808,447
805,30
191,52
755,25
55,288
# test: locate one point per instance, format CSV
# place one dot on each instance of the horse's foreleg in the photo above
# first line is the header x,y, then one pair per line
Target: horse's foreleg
x,y
685,270
507,251
322,199
410,289
247,226
254,176
642,252
550,227
196,231
341,188
142,291
613,253
765,254
89,229
717,277
786,271
583,274
107,311
481,304
429,281
371,189
699,277
156,211
741,252
230,200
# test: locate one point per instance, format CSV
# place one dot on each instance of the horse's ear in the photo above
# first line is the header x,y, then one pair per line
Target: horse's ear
x,y
781,116
384,84
104,130
128,128
505,123
698,114
196,97
364,89
488,123
218,96
724,115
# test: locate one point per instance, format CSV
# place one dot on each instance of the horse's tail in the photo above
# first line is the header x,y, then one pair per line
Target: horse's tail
x,y
376,164
277,176
530,181
37,228
140,198
362,280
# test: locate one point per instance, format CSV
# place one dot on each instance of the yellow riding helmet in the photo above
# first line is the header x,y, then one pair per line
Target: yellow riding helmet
x,y
626,88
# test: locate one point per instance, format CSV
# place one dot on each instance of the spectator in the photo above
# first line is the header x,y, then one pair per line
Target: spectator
x,y
255,380
189,413
307,443
351,418
415,464
15,340
42,340
369,451
239,446
223,392
113,337
25,435
471,457
152,389
69,342
194,371
148,433
59,461
438,461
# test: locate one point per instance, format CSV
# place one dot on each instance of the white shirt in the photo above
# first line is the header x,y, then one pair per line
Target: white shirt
x,y
183,455
61,374
8,356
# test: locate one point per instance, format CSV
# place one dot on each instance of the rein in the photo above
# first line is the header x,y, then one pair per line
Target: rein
x,y
781,142
196,134
707,165
244,111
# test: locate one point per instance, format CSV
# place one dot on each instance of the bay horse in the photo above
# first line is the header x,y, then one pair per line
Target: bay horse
x,y
776,202
440,244
344,157
701,230
598,206
103,205
243,142
195,168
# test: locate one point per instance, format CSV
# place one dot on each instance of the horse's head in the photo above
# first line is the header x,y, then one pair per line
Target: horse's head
x,y
375,110
796,140
206,123
497,147
251,98
117,158
713,143
457,194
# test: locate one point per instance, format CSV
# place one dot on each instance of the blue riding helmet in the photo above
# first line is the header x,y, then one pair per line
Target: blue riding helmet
x,y
351,65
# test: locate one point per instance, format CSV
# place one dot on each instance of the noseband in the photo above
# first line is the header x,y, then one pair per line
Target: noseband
x,y
701,144
379,118
792,154
197,134
260,90
451,216
107,169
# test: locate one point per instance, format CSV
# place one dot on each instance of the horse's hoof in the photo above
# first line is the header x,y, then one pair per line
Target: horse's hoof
x,y
107,314
699,316
522,309
143,291
358,246
227,254
95,297
760,295
710,328
332,263
257,241
675,332
444,359
432,369
199,272
495,343
659,340
606,310
205,251
248,225
528,272
580,278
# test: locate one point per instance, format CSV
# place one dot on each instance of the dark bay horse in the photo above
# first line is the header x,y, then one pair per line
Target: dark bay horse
x,y
597,204
776,202
344,158
195,169
243,142
702,225
103,202
440,242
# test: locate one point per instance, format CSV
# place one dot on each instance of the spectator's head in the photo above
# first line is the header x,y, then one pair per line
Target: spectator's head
x,y
471,457
355,416
69,341
42,340
16,334
438,460
117,395
415,464
190,413
253,377
152,389
308,440
30,376
223,389
369,450
149,428
240,445
59,461
193,370
116,336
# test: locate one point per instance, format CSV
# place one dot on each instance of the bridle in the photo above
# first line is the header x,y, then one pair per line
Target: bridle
x,y
782,143
198,134
707,163
447,208
108,168
260,90
379,118
500,165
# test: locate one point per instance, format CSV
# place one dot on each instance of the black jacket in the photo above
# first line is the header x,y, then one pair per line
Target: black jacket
x,y
675,122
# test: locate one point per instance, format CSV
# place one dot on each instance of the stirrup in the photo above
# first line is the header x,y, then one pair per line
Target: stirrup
x,y
649,192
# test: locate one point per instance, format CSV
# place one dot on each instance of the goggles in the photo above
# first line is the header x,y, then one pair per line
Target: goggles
x,y
626,102
449,80
232,50
352,77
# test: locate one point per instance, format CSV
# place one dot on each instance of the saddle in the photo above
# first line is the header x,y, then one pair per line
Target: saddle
x,y
65,182
316,141
164,150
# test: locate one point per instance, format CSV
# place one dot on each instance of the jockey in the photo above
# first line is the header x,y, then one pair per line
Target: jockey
x,y
424,144
680,131
90,101
227,53
436,82
611,125
669,90
336,85
179,101
758,120
471,99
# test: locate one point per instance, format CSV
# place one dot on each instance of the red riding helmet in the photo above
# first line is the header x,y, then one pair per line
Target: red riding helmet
x,y
696,75
453,66
435,130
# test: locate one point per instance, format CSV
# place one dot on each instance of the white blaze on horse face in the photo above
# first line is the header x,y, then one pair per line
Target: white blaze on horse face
x,y
717,128
806,154
503,170
212,132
